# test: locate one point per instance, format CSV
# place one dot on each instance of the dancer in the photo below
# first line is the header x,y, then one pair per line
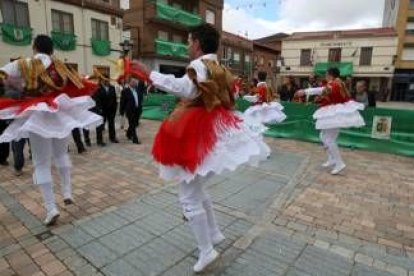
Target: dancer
x,y
337,110
264,110
46,115
203,136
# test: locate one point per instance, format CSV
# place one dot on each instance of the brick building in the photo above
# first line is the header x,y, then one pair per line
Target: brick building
x,y
86,33
158,30
236,53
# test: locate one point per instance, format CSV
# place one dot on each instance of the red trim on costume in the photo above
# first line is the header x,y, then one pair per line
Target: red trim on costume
x,y
187,140
131,70
334,96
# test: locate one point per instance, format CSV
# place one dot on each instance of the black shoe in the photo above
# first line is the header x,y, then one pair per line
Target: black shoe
x,y
81,150
138,142
115,141
101,144
4,163
68,201
88,143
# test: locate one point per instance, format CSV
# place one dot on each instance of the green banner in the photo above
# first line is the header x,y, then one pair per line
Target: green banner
x,y
101,47
167,12
299,125
19,36
64,41
167,48
346,68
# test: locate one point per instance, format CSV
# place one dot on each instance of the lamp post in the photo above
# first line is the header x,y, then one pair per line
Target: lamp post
x,y
126,46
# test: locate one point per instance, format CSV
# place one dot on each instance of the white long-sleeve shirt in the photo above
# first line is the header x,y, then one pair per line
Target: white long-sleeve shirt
x,y
316,91
183,87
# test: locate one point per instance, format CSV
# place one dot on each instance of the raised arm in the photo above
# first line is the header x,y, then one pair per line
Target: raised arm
x,y
314,91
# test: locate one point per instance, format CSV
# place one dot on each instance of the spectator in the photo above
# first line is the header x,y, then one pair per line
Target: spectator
x,y
361,95
107,104
132,98
288,89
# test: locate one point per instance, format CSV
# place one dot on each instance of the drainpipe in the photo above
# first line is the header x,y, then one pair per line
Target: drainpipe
x,y
85,56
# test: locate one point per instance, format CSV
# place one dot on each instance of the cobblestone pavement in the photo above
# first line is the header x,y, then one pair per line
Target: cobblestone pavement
x,y
288,217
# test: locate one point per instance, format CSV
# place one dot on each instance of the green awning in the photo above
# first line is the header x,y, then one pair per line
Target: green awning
x,y
101,47
64,41
170,13
19,36
167,48
346,68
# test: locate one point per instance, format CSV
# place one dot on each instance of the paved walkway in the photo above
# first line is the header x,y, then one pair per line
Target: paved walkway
x,y
287,217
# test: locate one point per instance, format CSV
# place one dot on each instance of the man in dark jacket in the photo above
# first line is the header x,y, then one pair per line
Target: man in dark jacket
x,y
107,105
132,97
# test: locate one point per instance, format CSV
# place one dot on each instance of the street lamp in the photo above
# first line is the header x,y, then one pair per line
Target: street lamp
x,y
126,47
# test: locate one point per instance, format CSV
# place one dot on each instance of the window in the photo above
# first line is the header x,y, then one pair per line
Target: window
x,y
100,30
247,59
178,39
210,17
15,12
62,22
408,52
409,29
411,4
334,55
366,56
236,57
305,57
104,70
163,35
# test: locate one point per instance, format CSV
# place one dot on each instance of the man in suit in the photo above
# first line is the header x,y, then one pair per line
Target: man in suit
x,y
107,105
132,97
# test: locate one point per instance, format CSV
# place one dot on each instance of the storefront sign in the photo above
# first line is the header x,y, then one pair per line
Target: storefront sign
x,y
336,44
381,127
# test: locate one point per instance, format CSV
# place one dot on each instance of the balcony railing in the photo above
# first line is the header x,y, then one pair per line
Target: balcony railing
x,y
167,48
170,13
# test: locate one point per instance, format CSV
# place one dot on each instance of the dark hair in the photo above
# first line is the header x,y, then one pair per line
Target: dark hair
x,y
334,72
255,81
43,44
262,76
208,36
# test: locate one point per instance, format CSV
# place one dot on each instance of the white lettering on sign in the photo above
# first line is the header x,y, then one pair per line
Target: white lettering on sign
x,y
336,44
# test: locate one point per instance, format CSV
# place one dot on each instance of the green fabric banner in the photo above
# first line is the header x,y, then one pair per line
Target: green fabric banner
x,y
299,125
19,36
101,47
167,12
346,68
167,48
64,41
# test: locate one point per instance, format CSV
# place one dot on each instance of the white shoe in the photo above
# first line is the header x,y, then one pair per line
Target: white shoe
x,y
51,217
205,260
328,164
338,168
217,238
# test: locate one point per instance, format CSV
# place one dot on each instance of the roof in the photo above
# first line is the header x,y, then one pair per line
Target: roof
x,y
278,36
265,47
371,32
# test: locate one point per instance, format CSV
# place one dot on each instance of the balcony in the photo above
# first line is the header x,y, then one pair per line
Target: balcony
x,y
167,48
168,13
14,35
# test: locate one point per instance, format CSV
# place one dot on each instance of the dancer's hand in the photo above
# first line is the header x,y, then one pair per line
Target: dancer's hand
x,y
300,93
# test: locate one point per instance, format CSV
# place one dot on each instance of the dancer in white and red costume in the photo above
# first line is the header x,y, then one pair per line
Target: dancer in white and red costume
x,y
204,136
54,101
337,110
264,109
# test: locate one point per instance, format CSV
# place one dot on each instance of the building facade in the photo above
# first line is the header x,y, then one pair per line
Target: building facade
x,y
366,54
236,53
86,33
399,14
159,30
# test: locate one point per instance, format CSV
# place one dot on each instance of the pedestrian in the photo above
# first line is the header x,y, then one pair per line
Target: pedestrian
x,y
337,110
106,101
47,116
203,136
361,95
132,98
77,138
288,89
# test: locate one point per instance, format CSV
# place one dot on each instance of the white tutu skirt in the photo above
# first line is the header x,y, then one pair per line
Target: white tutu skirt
x,y
50,122
266,113
339,116
235,147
